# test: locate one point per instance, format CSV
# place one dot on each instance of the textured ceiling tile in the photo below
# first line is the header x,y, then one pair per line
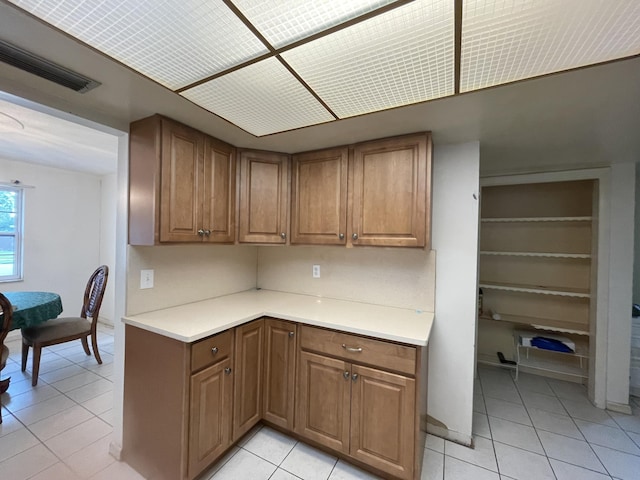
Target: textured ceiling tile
x,y
262,98
402,57
283,22
175,43
504,41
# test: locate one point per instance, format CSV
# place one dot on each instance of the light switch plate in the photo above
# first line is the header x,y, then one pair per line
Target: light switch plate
x,y
146,279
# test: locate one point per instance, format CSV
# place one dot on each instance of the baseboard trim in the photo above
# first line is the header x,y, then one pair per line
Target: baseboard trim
x,y
619,407
115,450
456,437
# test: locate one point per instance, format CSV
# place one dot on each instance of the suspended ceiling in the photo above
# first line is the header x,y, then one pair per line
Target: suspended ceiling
x,y
270,67
579,118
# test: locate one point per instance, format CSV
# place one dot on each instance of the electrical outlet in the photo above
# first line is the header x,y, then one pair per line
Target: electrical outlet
x,y
146,279
316,271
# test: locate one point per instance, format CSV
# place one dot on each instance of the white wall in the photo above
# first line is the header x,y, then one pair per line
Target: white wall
x,y
400,277
61,230
108,207
188,273
455,239
620,284
636,255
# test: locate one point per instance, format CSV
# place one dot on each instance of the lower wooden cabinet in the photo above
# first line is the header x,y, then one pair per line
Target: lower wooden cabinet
x,y
247,391
209,419
185,404
279,372
324,399
367,413
382,420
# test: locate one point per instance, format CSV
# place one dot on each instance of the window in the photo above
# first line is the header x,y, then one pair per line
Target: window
x,y
10,233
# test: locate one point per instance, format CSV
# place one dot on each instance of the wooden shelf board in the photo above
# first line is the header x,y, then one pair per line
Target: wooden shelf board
x,y
548,324
535,219
537,254
538,289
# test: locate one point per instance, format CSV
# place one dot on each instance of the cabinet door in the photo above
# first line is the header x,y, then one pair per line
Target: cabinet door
x,y
319,197
264,194
209,419
247,384
323,398
391,192
279,372
383,420
219,195
181,194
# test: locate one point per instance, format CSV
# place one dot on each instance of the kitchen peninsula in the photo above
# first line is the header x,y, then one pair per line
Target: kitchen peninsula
x,y
198,376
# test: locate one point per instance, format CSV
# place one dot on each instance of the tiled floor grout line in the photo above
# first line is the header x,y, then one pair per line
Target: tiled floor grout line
x,y
526,409
493,445
567,396
59,355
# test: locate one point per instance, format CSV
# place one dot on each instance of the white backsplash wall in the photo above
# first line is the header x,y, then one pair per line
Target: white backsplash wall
x,y
401,277
188,273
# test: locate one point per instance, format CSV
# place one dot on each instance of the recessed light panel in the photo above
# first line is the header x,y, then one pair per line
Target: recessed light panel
x,y
262,98
505,41
402,57
175,43
286,21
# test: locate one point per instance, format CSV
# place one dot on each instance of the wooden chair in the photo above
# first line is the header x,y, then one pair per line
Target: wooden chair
x,y
5,322
66,329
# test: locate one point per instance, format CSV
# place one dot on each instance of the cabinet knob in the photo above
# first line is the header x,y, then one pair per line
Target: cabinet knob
x,y
354,236
354,377
283,235
227,371
341,236
291,334
207,232
214,350
201,232
346,375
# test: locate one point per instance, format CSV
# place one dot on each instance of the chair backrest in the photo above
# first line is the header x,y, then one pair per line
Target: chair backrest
x,y
5,318
94,292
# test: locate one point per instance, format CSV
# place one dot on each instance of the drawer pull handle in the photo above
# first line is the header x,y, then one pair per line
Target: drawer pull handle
x,y
346,375
354,377
214,350
352,349
291,334
227,371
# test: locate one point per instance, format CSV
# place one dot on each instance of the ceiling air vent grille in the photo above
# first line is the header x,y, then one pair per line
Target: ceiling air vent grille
x,y
44,68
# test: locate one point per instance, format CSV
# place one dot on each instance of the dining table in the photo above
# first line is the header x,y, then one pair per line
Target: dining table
x,y
31,309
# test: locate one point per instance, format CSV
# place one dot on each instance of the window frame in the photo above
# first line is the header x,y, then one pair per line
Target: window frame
x,y
18,236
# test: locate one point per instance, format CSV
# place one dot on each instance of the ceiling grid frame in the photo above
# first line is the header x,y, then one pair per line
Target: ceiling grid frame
x,y
501,47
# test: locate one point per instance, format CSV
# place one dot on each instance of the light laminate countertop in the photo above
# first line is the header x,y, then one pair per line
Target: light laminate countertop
x,y
194,321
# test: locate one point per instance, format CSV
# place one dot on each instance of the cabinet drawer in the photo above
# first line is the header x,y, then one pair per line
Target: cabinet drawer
x,y
354,348
211,350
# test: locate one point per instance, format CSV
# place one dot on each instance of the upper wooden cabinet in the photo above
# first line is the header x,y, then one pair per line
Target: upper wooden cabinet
x,y
264,197
376,193
181,185
319,197
390,184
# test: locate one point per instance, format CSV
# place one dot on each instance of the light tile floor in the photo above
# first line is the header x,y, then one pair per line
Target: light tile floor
x,y
535,428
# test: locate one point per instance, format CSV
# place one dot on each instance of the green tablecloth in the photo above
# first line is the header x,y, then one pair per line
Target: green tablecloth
x,y
32,308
